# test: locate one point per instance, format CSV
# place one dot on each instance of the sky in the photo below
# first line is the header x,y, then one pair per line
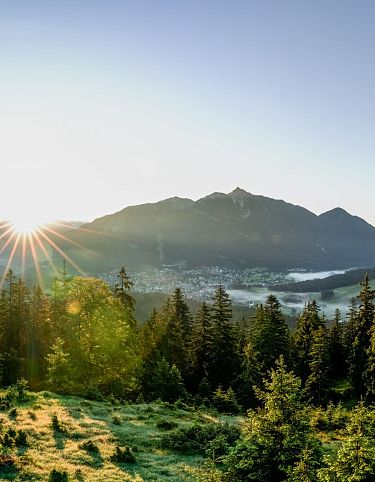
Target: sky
x,y
110,103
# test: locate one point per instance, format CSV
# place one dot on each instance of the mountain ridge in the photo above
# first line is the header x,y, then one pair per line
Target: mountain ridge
x,y
238,229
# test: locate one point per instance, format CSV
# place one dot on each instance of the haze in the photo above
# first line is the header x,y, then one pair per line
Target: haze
x,y
106,104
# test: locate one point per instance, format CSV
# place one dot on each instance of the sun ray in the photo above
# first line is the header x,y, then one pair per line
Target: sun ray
x,y
35,258
61,236
23,258
80,228
9,240
11,256
45,252
60,251
10,230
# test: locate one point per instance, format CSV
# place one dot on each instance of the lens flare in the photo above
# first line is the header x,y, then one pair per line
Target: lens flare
x,y
32,241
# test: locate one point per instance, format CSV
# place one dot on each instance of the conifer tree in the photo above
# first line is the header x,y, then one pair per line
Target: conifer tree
x,y
308,322
200,344
278,436
369,376
317,382
361,333
223,359
355,459
336,347
123,290
268,339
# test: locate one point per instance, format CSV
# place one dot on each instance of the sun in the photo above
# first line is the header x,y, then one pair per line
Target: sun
x,y
26,224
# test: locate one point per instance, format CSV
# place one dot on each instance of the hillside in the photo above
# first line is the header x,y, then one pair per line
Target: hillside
x,y
60,446
238,229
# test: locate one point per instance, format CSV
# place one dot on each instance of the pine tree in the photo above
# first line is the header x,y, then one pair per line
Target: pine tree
x,y
337,347
361,333
317,382
200,344
308,322
355,459
223,357
123,288
278,436
369,376
268,339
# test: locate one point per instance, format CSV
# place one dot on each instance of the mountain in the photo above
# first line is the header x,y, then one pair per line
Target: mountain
x,y
238,229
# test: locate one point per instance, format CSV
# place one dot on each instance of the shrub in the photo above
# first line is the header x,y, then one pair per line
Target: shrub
x,y
116,419
8,439
8,463
58,476
90,447
166,424
195,438
225,402
13,412
123,456
57,425
21,387
5,403
22,439
334,417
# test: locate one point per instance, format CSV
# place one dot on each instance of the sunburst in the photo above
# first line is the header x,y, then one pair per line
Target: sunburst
x,y
32,240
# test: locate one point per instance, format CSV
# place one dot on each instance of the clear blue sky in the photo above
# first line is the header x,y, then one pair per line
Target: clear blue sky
x,y
109,103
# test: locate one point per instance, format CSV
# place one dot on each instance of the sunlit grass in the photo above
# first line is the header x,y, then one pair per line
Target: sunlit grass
x,y
83,420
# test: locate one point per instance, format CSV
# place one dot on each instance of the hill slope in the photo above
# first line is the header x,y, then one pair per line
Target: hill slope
x,y
105,426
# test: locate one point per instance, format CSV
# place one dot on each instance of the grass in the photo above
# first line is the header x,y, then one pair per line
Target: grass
x,y
81,437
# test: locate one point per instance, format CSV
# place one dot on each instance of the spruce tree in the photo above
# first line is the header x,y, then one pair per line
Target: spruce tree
x,y
200,345
361,333
308,322
317,382
223,357
337,347
268,339
355,459
278,437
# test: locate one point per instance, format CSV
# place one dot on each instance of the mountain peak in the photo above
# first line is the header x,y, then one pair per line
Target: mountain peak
x,y
239,194
336,212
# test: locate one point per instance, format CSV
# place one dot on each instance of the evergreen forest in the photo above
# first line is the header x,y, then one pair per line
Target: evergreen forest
x,y
246,399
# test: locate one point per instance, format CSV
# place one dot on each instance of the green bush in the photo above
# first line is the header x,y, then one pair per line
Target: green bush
x,y
195,438
90,447
123,456
335,417
116,419
225,401
166,425
57,425
13,412
58,476
22,439
8,463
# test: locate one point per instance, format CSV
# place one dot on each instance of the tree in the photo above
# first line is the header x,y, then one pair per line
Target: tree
x,y
317,382
279,434
361,334
268,339
308,322
355,459
123,293
223,357
166,383
200,344
336,347
98,338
